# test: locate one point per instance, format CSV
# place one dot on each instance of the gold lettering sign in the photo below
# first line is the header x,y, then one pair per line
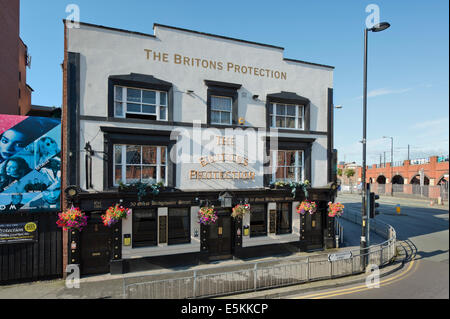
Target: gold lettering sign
x,y
205,63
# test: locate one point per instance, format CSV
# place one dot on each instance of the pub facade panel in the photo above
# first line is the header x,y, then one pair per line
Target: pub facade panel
x,y
167,124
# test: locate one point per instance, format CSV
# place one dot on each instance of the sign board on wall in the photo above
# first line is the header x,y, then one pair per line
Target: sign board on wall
x,y
30,163
18,233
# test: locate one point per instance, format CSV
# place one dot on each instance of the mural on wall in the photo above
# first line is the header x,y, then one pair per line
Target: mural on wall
x,y
30,163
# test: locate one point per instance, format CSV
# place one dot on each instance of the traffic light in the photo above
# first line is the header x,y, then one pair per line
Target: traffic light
x,y
373,205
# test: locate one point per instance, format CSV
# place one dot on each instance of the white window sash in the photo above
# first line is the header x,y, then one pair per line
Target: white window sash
x,y
123,164
125,102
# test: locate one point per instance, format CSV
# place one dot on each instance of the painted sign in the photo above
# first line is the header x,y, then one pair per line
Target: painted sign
x,y
340,256
18,233
30,163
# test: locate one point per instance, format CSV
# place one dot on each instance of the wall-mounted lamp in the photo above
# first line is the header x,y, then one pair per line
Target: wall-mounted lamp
x,y
189,91
255,97
226,199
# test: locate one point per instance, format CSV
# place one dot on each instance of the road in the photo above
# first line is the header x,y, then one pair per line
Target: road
x,y
423,231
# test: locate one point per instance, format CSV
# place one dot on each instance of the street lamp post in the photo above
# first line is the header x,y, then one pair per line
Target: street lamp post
x,y
364,229
392,162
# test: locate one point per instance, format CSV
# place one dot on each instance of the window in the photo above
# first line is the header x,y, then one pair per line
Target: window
x,y
284,216
258,221
139,163
145,227
286,116
289,166
179,225
129,102
221,110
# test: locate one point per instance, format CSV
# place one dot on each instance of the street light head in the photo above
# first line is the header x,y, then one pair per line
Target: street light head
x,y
338,106
380,27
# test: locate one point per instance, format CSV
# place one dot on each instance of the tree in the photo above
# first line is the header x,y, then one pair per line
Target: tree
x,y
339,171
349,172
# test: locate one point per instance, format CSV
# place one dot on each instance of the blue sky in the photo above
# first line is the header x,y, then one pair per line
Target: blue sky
x,y
408,71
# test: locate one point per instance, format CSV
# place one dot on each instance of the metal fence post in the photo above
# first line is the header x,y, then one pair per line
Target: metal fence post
x,y
195,284
255,268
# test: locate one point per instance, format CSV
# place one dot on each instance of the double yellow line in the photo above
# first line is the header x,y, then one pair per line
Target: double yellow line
x,y
352,290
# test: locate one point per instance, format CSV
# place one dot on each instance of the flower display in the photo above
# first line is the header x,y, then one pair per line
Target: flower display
x,y
207,215
240,210
114,214
335,209
307,206
73,218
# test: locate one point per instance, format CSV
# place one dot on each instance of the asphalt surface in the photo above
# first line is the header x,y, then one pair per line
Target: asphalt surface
x,y
423,231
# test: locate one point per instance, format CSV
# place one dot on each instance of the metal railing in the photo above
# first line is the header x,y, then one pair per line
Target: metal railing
x,y
213,282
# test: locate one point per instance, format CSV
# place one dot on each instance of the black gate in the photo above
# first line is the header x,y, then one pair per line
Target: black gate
x,y
31,261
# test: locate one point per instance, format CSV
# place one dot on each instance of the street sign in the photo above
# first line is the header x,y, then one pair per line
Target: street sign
x,y
340,256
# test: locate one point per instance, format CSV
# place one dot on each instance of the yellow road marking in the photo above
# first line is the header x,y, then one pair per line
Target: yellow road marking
x,y
382,284
358,288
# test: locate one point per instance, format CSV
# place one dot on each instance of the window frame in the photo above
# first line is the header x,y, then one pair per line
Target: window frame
x,y
273,115
124,101
299,167
259,233
187,239
143,244
221,111
279,211
124,163
222,89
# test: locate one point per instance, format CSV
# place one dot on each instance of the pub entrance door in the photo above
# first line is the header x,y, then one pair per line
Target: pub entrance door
x,y
313,231
95,241
220,236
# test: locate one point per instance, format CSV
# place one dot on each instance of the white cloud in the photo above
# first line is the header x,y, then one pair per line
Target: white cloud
x,y
443,122
383,91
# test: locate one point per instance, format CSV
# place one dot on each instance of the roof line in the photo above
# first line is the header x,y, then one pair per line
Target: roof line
x,y
217,36
113,29
201,33
311,63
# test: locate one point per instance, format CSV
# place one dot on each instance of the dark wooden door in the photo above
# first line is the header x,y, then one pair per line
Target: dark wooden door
x,y
95,243
313,231
220,236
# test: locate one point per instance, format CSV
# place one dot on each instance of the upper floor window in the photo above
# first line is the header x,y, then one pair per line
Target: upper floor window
x,y
287,116
221,110
132,102
139,163
287,166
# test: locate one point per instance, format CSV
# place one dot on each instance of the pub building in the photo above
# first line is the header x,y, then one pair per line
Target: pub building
x,y
170,122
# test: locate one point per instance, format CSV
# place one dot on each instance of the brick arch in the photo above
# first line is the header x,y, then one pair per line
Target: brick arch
x,y
381,179
416,179
442,178
398,179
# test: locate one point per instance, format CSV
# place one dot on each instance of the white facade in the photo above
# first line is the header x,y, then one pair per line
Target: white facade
x,y
105,52
187,59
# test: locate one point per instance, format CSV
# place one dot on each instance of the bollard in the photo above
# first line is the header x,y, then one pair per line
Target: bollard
x,y
397,208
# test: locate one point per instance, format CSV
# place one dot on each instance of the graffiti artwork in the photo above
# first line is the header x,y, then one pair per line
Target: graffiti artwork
x,y
30,163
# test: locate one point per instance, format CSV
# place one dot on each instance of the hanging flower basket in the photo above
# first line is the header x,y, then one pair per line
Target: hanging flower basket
x,y
240,210
114,214
307,206
73,218
335,209
207,215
